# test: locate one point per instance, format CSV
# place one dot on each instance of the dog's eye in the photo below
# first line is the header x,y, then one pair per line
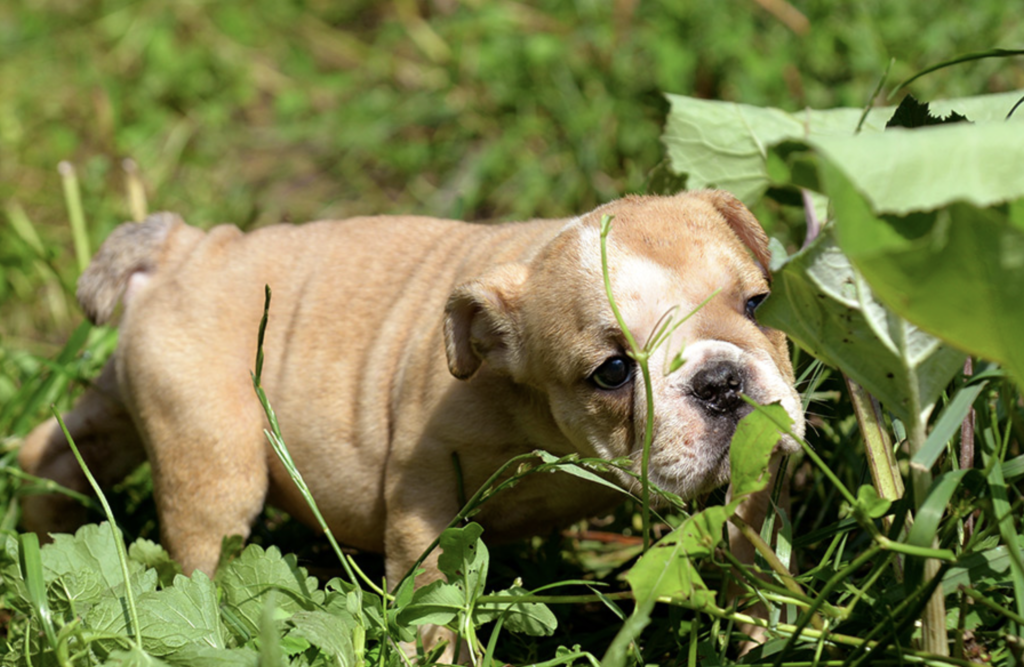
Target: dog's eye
x,y
753,302
613,373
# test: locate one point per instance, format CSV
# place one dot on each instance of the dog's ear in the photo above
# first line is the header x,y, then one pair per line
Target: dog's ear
x,y
481,322
742,222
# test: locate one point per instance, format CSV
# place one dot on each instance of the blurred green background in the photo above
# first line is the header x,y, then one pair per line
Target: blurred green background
x,y
257,111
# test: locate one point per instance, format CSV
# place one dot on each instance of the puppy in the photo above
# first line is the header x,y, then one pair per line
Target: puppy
x,y
395,343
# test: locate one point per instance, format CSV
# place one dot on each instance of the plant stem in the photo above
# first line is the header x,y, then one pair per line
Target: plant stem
x,y
967,446
135,191
122,554
278,444
933,622
73,199
878,446
641,356
985,602
781,570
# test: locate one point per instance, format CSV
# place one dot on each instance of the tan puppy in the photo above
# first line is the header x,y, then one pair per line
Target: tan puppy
x,y
395,342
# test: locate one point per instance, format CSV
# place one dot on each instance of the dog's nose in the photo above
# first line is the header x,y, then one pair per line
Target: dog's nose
x,y
718,386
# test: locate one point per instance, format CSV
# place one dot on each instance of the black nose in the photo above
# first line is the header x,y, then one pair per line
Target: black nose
x,y
718,387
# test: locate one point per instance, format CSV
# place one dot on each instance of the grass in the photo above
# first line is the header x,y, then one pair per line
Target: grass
x,y
284,110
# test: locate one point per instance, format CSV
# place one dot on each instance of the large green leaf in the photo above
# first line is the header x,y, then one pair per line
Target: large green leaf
x,y
88,563
464,559
668,570
331,633
248,580
133,657
924,169
954,269
726,145
981,569
751,448
828,309
170,620
437,603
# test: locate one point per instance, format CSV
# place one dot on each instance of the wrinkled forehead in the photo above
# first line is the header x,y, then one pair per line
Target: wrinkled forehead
x,y
657,246
660,257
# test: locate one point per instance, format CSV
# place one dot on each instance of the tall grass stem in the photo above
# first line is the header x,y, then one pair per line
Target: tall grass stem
x,y
278,444
122,553
641,356
134,190
76,214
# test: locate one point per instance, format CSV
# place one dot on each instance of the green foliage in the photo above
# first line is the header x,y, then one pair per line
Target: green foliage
x,y
827,307
188,621
752,445
460,602
923,238
257,596
948,219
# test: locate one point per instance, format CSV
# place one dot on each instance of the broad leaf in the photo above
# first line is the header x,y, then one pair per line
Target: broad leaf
x,y
134,657
153,555
202,655
464,559
667,569
185,614
901,171
437,603
751,448
87,562
531,618
981,569
824,305
726,145
957,271
248,580
331,633
870,504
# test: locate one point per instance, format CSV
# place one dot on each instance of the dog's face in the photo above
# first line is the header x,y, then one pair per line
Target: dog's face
x,y
550,327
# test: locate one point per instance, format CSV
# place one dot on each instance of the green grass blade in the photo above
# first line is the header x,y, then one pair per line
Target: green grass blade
x,y
871,100
45,485
135,191
32,571
1005,520
37,393
948,424
640,356
926,521
24,228
76,214
1013,468
281,449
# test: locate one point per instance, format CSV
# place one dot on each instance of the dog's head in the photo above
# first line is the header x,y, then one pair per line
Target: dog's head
x,y
548,326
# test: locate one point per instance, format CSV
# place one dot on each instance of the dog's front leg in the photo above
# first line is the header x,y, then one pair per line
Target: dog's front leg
x,y
419,509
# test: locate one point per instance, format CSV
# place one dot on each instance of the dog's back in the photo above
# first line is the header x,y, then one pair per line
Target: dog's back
x,y
349,298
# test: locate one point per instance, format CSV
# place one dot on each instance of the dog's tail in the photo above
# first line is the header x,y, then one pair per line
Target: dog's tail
x,y
131,249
